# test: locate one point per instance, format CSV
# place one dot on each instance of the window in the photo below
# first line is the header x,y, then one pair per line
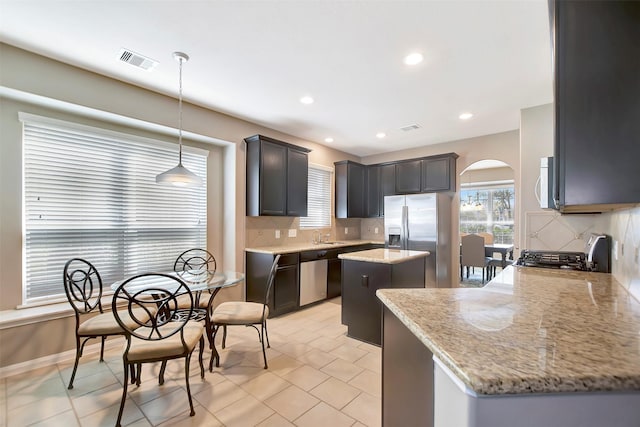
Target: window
x,y
91,193
488,209
318,199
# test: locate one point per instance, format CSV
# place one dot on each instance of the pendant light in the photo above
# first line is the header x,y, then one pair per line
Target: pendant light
x,y
179,176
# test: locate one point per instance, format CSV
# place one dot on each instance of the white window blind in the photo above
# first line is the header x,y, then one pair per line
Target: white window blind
x,y
319,198
91,193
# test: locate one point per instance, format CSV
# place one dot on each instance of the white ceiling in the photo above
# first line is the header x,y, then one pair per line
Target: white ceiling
x,y
255,59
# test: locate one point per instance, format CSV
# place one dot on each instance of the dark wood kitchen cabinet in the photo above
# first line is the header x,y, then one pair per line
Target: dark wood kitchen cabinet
x,y
361,308
374,192
277,177
597,104
286,289
350,195
408,177
438,173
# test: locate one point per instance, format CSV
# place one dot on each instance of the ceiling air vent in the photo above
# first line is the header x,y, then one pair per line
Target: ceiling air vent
x,y
137,60
409,128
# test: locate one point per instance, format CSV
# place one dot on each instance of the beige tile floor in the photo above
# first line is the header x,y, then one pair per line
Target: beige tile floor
x,y
317,376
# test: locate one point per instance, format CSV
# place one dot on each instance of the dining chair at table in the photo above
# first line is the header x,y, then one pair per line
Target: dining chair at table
x,y
83,287
472,254
244,313
195,260
157,336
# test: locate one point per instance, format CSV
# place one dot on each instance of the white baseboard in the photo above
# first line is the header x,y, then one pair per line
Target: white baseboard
x,y
52,359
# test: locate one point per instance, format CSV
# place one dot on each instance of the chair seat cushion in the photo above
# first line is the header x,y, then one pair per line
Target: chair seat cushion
x,y
106,324
147,350
239,313
185,302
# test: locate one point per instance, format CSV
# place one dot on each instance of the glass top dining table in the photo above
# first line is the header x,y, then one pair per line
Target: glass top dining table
x,y
196,280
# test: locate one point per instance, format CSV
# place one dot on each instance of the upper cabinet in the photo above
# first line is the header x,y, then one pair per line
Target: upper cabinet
x,y
361,189
408,177
437,173
277,176
597,103
350,189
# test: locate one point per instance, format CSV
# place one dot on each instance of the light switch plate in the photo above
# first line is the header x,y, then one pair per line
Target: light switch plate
x,y
277,234
346,230
292,232
375,230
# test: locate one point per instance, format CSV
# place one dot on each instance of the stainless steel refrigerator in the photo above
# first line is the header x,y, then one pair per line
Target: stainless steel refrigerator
x,y
422,222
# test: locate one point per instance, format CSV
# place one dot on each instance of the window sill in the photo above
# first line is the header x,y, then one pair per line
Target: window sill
x,y
27,316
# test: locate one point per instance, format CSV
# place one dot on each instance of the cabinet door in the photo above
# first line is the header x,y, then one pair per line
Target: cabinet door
x,y
408,177
597,64
273,179
356,191
297,177
436,175
374,192
285,290
334,277
387,182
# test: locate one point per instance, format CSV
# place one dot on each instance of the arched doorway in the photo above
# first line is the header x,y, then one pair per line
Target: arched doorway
x,y
487,207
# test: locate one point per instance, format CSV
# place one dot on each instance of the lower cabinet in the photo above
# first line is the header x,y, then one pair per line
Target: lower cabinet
x,y
285,296
361,308
334,277
286,288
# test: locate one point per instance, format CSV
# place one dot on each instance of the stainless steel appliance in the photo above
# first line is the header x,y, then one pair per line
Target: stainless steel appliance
x,y
313,276
597,257
422,222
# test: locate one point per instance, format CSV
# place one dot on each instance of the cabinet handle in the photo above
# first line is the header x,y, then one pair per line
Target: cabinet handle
x,y
365,281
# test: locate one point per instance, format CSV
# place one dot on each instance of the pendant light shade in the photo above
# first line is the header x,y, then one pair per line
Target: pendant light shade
x,y
179,175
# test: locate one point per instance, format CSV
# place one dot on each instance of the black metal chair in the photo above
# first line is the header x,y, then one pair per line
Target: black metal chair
x,y
243,313
157,335
83,287
197,260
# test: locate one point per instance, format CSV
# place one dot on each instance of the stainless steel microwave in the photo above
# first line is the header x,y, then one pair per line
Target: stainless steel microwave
x,y
546,183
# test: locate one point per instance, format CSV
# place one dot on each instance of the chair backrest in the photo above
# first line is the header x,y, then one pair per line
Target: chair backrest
x,y
83,286
472,251
151,300
195,259
270,279
488,237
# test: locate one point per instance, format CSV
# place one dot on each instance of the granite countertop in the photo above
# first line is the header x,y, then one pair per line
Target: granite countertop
x,y
384,256
301,247
530,330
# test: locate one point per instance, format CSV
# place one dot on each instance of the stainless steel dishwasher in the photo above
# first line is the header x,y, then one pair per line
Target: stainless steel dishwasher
x,y
313,276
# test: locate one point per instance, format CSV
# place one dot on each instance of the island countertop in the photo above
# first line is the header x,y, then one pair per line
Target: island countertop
x,y
529,330
384,256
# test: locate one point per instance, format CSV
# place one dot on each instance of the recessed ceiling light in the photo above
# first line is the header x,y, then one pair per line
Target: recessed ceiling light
x,y
381,135
306,100
413,58
465,116
329,140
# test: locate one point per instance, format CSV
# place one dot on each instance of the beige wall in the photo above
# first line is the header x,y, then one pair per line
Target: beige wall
x,y
32,83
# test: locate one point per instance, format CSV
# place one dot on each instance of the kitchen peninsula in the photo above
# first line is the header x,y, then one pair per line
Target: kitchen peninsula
x,y
363,273
534,347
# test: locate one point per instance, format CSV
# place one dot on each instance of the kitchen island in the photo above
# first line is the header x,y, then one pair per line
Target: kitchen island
x,y
363,273
533,347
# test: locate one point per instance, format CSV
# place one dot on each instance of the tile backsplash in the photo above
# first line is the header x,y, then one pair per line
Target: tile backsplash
x,y
552,231
261,231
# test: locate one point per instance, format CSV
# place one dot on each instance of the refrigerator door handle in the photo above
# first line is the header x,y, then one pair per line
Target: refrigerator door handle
x,y
405,227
